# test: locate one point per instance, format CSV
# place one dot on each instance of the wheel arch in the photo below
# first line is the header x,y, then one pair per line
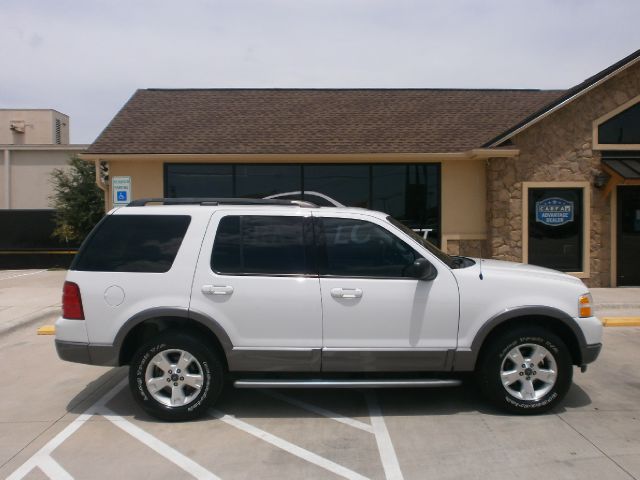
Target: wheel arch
x,y
552,319
151,322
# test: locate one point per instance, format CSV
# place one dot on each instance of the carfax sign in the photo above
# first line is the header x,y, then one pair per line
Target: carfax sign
x,y
121,188
554,211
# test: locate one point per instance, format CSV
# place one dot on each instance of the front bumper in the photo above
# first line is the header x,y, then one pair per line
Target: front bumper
x,y
80,352
589,353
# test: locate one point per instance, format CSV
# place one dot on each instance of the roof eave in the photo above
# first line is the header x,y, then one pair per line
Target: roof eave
x,y
562,102
473,154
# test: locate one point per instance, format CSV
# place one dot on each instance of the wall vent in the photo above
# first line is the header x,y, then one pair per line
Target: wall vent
x,y
58,131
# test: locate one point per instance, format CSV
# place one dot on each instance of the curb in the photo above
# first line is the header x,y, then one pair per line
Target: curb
x,y
621,321
31,319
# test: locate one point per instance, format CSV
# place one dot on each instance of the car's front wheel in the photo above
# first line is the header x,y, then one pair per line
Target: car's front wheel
x,y
526,370
175,376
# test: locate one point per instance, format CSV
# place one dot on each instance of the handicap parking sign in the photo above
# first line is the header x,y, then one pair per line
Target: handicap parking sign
x,y
121,191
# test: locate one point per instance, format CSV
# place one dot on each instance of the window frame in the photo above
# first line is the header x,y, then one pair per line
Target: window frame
x,y
586,221
321,255
608,116
311,261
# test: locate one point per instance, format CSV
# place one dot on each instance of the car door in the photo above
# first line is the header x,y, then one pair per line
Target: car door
x,y
375,316
256,279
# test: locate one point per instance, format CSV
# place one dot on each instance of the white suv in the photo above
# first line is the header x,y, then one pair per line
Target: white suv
x,y
275,293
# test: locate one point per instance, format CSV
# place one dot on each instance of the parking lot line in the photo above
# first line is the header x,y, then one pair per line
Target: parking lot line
x,y
383,439
287,446
194,469
22,275
42,458
53,469
352,422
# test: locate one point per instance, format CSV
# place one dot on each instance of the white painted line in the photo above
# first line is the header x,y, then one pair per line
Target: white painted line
x,y
52,469
287,446
385,446
352,422
23,275
194,469
42,455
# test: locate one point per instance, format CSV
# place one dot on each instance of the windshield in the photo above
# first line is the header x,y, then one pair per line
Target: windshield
x,y
448,260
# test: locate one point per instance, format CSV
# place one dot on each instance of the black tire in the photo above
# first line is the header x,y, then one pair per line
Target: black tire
x,y
205,363
548,394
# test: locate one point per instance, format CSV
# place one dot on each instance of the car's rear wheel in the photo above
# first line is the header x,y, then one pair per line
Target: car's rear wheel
x,y
175,376
526,370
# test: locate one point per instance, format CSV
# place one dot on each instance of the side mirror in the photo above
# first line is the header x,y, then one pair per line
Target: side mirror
x,y
422,269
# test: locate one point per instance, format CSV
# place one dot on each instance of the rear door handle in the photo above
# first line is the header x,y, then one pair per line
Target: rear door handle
x,y
217,289
346,292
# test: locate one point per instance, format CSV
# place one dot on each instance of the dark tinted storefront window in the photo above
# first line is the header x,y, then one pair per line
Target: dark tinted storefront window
x,y
203,180
348,184
408,192
133,243
259,181
262,245
555,228
623,128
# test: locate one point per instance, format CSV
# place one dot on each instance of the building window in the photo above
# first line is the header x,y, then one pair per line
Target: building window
x,y
623,128
556,228
408,192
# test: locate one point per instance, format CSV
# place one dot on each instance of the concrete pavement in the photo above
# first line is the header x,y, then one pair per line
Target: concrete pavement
x,y
63,420
29,297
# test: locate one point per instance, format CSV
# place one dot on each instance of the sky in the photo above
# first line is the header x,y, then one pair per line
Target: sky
x,y
85,58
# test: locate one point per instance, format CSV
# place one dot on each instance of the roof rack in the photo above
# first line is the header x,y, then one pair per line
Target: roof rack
x,y
221,201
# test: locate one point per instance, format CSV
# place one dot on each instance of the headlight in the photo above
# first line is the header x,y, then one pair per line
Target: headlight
x,y
585,305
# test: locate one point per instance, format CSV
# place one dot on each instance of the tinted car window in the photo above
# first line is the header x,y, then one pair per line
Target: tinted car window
x,y
262,245
133,243
355,248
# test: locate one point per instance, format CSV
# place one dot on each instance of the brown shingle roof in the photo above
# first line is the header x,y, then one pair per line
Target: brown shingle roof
x,y
314,121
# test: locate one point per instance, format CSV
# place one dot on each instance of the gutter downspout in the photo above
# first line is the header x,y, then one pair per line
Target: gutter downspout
x,y
7,179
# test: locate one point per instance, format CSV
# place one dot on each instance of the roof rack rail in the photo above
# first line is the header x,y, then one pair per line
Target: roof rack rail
x,y
141,202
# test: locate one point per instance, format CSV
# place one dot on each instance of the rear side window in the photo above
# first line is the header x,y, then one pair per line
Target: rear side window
x,y
133,243
356,248
261,245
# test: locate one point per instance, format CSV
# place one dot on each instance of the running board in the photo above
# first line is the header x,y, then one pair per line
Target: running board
x,y
410,383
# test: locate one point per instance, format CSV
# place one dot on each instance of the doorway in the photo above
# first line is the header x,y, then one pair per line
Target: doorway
x,y
628,236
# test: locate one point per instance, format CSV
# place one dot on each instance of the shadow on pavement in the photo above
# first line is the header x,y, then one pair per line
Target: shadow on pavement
x,y
257,403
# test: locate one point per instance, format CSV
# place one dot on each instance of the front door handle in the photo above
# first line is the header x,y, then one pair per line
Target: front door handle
x,y
346,292
217,289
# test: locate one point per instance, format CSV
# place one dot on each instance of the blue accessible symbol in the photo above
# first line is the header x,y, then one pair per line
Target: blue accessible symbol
x,y
121,196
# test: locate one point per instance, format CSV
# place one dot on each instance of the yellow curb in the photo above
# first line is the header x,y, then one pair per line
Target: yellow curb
x,y
621,321
47,330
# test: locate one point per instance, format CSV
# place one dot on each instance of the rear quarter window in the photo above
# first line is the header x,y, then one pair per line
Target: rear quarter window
x,y
133,243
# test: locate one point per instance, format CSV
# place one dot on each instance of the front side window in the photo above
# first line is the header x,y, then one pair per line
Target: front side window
x,y
261,245
133,243
356,248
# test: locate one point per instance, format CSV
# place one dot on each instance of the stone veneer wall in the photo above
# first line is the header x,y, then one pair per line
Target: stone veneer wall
x,y
558,148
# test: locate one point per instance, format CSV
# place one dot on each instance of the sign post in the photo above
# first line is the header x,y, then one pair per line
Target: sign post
x,y
121,191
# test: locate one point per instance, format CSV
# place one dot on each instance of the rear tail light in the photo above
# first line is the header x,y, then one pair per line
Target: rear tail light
x,y
72,302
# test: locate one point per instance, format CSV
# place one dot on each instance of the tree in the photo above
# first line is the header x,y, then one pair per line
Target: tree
x,y
78,201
